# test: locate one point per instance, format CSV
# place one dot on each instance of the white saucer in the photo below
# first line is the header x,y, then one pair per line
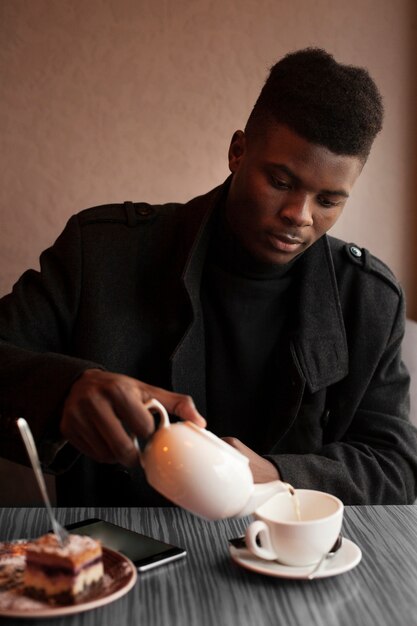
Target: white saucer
x,y
346,558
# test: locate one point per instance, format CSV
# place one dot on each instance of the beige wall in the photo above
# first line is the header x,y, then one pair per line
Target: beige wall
x,y
108,100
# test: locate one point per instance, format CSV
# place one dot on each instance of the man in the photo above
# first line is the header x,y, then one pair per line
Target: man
x,y
236,306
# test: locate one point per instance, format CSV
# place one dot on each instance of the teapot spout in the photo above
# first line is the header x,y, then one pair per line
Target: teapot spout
x,y
260,494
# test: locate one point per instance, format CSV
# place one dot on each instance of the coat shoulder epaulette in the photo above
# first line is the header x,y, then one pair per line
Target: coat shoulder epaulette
x,y
362,258
129,213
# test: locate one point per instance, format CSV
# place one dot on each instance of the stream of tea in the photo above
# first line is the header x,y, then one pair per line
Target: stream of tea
x,y
295,500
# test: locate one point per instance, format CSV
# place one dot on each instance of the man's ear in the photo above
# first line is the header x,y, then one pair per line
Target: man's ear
x,y
236,149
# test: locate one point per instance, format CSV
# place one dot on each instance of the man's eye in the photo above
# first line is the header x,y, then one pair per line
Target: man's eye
x,y
280,184
326,203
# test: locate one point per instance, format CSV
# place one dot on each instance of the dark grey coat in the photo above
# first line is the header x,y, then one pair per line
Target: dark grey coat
x,y
120,290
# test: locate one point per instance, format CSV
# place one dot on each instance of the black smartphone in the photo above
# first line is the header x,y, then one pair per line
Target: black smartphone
x,y
238,542
145,552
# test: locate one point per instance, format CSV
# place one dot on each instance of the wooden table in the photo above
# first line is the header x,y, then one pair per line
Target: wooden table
x,y
207,588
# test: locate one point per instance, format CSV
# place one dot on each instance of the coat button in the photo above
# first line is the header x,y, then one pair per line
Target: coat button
x,y
325,418
355,251
144,211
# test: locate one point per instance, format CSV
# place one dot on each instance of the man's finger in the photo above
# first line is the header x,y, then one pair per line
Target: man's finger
x,y
178,404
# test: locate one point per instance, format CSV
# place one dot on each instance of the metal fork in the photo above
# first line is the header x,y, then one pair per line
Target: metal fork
x,y
26,433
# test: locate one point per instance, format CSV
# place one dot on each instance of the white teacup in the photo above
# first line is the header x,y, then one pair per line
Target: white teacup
x,y
277,534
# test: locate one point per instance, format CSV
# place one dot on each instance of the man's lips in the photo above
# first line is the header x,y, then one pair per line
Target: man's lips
x,y
283,242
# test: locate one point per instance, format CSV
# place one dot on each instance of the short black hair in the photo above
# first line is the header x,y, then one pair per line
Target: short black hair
x,y
330,104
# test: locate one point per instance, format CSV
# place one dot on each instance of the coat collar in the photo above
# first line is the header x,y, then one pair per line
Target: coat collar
x,y
197,230
188,362
319,336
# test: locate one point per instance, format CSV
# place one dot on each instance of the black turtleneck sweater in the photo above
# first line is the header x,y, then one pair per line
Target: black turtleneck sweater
x,y
246,305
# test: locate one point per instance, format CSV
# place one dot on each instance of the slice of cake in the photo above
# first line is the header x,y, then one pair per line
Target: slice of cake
x,y
62,574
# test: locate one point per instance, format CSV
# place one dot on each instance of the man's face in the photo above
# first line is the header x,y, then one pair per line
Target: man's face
x,y
285,192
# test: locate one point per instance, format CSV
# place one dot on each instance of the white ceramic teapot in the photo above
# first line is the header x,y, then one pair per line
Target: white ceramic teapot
x,y
199,472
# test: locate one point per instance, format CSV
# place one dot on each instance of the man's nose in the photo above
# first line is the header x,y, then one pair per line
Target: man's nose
x,y
298,210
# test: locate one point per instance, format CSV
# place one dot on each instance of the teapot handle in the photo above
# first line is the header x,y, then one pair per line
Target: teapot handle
x,y
155,404
164,423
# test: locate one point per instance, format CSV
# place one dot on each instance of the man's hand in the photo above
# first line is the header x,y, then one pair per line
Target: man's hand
x,y
263,470
98,405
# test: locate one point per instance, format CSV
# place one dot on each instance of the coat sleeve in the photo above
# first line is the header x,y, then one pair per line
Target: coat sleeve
x,y
370,456
36,366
